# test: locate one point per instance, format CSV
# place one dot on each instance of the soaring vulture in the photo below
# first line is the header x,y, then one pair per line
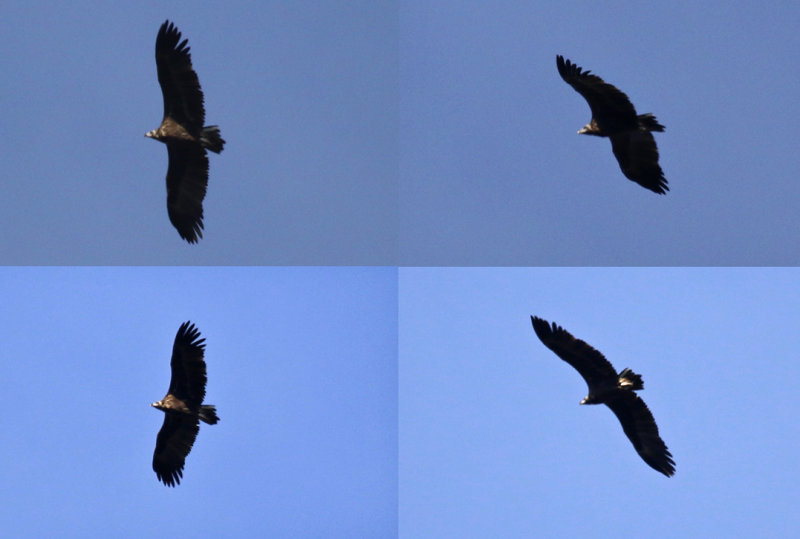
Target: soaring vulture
x,y
183,406
183,132
613,116
614,390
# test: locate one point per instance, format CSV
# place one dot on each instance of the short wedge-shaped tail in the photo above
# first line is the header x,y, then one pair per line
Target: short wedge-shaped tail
x,y
208,414
211,139
649,122
630,380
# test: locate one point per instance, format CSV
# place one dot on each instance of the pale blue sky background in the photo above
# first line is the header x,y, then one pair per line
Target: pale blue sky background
x,y
493,172
302,365
305,96
493,442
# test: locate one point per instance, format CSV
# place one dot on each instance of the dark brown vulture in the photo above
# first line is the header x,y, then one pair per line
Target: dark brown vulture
x,y
613,116
183,406
614,390
183,132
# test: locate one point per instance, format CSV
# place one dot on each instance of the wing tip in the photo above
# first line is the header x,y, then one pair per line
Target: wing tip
x,y
566,68
169,39
170,478
665,465
539,324
544,330
659,187
189,335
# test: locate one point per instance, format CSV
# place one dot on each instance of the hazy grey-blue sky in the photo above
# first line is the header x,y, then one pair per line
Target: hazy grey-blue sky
x,y
305,96
492,171
411,133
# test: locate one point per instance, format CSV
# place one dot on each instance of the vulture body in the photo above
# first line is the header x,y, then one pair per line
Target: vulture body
x,y
183,406
614,116
617,391
183,132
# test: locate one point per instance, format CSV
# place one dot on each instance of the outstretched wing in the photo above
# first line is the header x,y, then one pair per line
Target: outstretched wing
x,y
641,429
188,382
173,444
590,363
187,180
637,155
611,108
183,98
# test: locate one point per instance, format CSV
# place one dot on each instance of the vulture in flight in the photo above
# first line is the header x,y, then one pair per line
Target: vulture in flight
x,y
617,391
613,116
182,406
183,132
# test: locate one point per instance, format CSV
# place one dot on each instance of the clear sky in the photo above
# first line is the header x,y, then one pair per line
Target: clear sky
x,y
367,140
493,442
493,172
411,133
305,96
302,366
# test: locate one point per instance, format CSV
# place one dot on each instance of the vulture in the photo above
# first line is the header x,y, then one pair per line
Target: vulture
x,y
617,391
182,406
613,116
183,132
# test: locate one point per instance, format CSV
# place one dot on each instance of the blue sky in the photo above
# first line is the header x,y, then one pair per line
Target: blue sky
x,y
493,442
493,172
302,365
381,133
305,96
411,133
481,425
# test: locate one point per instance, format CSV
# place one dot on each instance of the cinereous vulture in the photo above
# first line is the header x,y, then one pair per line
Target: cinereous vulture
x,y
613,116
183,132
617,391
182,406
